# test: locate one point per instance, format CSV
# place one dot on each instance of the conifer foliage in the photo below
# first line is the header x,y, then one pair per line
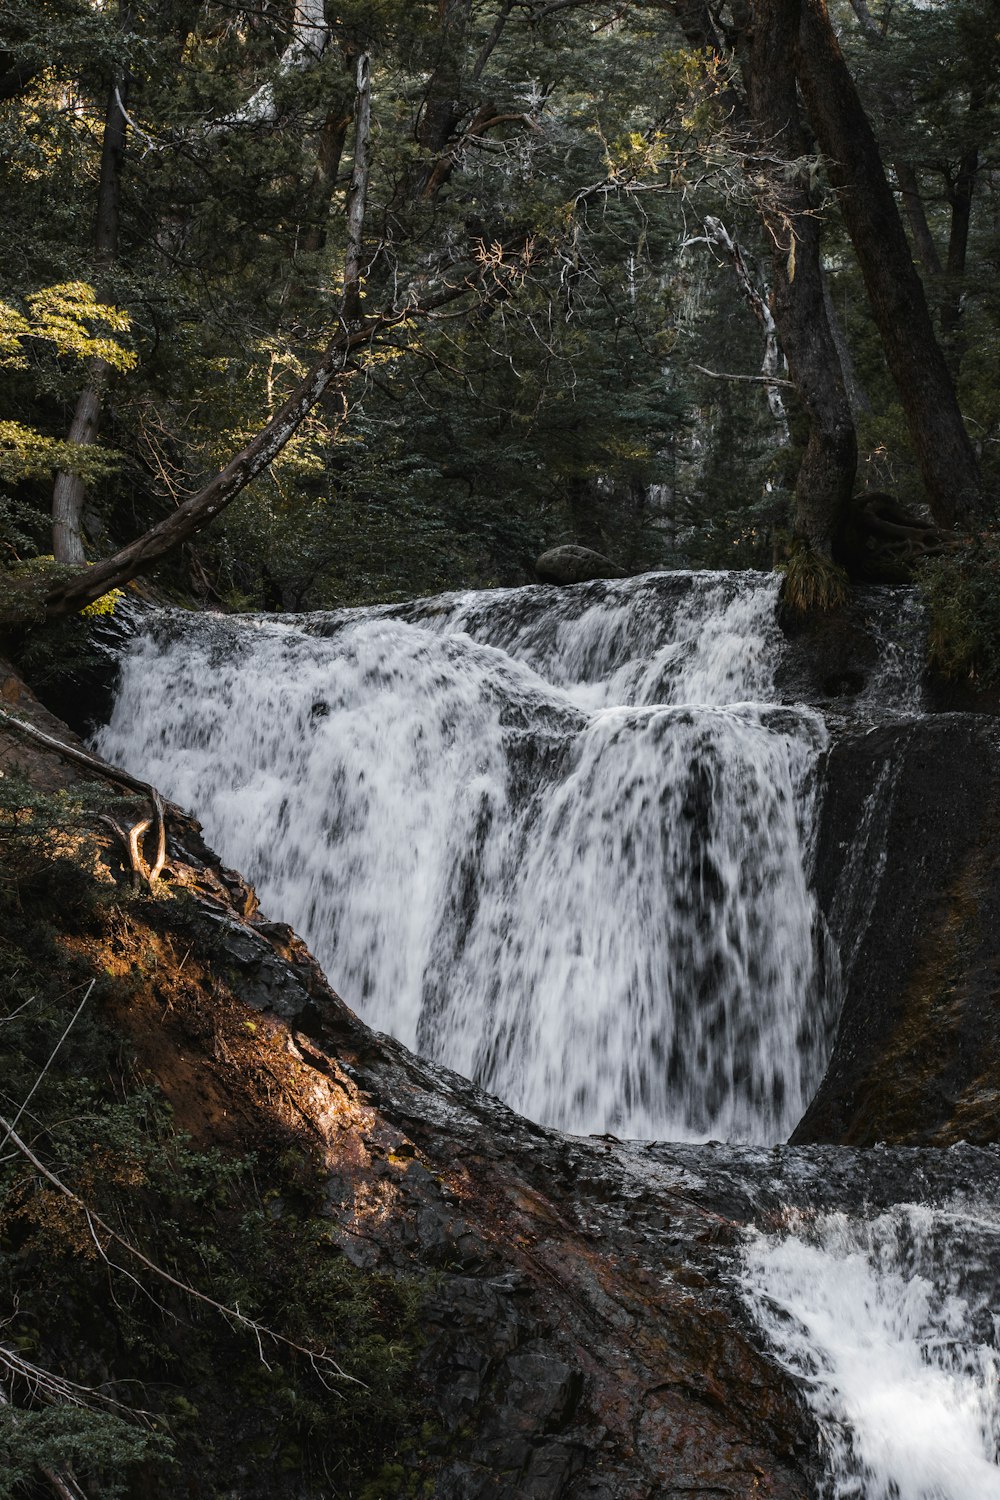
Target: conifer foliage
x,y
545,251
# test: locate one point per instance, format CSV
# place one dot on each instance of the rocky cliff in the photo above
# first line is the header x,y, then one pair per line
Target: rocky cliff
x,y
566,1312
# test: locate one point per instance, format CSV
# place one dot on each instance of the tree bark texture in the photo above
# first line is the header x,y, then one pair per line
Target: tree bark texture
x,y
69,491
947,461
825,480
357,197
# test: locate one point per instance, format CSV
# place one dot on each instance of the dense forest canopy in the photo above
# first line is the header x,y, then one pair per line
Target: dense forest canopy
x,y
445,283
306,304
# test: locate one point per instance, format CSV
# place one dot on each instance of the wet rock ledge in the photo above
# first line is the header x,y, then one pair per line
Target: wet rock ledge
x,y
582,1337
580,1333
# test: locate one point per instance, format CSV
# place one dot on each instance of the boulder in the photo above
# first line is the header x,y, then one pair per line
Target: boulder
x,y
572,564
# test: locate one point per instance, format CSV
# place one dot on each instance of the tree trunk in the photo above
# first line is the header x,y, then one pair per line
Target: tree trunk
x,y
825,479
69,492
947,462
959,188
960,191
443,106
332,139
357,197
196,512
856,393
759,303
916,217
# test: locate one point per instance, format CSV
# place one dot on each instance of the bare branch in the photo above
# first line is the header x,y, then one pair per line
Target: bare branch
x,y
786,385
109,773
233,1314
51,1058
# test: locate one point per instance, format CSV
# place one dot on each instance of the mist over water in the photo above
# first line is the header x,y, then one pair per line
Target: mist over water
x,y
555,839
890,1325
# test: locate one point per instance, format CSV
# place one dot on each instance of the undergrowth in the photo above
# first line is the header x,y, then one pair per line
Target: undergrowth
x,y
811,582
201,1410
962,590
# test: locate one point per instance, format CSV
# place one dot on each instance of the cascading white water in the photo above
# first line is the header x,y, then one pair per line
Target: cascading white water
x,y
889,1326
554,839
559,841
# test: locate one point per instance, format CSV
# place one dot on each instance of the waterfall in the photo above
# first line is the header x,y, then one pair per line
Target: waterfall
x,y
889,1325
555,839
560,841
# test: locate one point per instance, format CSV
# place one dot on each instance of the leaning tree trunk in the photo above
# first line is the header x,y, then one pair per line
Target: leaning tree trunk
x,y
947,461
69,492
825,480
195,513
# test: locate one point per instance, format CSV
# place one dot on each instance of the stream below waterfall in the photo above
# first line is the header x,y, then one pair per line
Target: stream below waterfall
x,y
561,841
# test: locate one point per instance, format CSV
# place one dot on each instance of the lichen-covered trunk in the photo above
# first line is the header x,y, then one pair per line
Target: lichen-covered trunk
x,y
826,475
357,198
947,461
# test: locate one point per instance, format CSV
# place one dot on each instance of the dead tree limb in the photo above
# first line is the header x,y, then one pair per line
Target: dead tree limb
x,y
131,839
232,1314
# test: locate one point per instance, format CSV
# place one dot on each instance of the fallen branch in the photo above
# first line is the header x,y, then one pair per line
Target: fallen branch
x,y
58,1391
233,1314
787,385
152,872
51,1058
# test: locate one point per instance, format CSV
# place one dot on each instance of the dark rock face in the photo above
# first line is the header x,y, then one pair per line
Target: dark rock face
x,y
581,1339
834,659
907,873
570,564
78,675
584,1338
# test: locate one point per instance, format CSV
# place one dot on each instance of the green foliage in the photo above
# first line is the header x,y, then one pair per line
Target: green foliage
x,y
94,1442
962,590
573,408
71,320
248,1232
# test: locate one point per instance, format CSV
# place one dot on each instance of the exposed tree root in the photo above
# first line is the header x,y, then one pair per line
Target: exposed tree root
x,y
133,837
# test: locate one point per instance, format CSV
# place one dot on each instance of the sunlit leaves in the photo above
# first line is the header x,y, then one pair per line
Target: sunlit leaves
x,y
28,454
69,319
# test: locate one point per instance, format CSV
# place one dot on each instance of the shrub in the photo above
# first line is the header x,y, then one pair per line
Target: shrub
x,y
962,590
